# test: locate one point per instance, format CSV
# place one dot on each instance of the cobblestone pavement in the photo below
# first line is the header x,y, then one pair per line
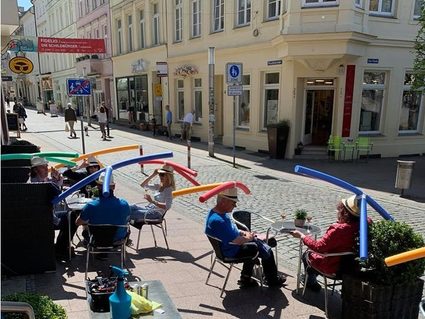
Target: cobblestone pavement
x,y
275,189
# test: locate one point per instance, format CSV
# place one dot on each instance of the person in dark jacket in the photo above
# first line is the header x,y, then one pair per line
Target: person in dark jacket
x,y
70,119
22,115
75,175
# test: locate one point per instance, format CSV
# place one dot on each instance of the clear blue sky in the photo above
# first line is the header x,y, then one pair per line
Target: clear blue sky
x,y
25,3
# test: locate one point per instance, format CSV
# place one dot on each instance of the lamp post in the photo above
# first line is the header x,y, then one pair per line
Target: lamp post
x,y
211,115
40,88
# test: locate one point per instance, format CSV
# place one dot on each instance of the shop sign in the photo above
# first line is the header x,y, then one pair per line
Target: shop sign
x,y
139,66
348,100
70,45
6,78
274,62
21,65
161,69
158,89
23,43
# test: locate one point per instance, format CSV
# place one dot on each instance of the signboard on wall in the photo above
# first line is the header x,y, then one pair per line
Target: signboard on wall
x,y
348,100
70,45
161,69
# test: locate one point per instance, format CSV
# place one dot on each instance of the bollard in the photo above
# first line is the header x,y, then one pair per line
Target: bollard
x,y
404,175
188,153
142,168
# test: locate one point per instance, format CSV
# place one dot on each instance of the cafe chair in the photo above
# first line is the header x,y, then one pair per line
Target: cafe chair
x,y
227,262
101,241
159,223
363,144
335,146
346,266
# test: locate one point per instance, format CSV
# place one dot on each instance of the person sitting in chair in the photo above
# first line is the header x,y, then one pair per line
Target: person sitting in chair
x,y
340,237
75,175
233,241
105,210
162,199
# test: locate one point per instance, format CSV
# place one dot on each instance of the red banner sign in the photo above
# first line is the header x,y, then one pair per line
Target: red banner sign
x,y
348,100
70,45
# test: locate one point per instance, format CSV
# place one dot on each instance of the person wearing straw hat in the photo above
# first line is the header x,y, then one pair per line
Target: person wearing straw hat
x,y
234,241
105,210
162,198
340,237
77,174
40,172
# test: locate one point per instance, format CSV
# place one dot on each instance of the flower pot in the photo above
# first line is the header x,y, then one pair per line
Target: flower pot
x,y
299,222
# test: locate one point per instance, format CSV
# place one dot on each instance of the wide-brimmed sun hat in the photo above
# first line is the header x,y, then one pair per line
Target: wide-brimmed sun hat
x,y
92,161
38,161
351,204
167,169
101,179
230,193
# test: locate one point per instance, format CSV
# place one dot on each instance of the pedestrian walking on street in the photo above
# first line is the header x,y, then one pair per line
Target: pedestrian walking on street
x,y
70,119
187,126
40,106
108,117
8,100
22,115
169,120
102,119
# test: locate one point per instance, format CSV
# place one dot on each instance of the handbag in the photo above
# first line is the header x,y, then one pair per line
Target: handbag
x,y
66,127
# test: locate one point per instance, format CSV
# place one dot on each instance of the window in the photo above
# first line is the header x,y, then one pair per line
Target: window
x,y
142,40
80,8
180,99
196,18
130,32
417,9
319,3
358,3
271,98
179,21
197,98
243,12
244,102
372,101
273,9
122,97
381,7
87,6
218,18
155,25
410,107
94,4
119,36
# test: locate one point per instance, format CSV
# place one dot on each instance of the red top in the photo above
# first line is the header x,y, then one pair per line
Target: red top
x,y
338,238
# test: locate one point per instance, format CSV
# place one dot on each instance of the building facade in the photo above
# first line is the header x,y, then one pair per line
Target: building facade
x,y
329,67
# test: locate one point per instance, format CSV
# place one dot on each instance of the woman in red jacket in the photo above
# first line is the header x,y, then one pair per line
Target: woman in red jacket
x,y
340,237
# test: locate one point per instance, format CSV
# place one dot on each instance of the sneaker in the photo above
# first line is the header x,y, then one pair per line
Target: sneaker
x,y
247,282
280,280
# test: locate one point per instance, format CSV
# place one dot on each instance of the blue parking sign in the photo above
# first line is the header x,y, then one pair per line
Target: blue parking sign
x,y
79,87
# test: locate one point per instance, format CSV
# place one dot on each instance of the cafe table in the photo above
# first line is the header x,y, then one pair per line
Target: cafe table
x,y
285,227
157,293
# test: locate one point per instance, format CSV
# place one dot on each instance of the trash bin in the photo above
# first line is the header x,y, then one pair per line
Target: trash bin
x,y
404,175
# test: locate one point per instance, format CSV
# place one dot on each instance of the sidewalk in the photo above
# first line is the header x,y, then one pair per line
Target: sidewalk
x,y
184,268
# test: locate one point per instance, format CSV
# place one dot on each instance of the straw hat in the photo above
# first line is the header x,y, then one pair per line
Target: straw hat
x,y
230,193
92,161
38,161
167,169
102,179
351,204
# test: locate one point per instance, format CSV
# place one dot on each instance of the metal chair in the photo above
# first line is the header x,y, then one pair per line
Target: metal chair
x,y
422,307
363,144
102,241
160,223
335,146
227,262
347,261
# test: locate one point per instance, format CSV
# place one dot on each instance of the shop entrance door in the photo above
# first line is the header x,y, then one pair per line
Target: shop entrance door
x,y
318,116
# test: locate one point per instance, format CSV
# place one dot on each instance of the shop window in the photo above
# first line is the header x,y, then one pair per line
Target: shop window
x,y
218,15
372,101
122,98
411,107
178,21
197,98
381,7
243,110
271,98
180,99
243,12
196,18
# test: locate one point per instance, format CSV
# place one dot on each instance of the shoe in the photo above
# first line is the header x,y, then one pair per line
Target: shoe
x,y
280,280
129,243
247,282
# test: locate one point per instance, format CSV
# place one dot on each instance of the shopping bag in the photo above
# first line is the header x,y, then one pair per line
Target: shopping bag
x,y
66,127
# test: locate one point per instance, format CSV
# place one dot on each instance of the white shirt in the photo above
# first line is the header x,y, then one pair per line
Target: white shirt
x,y
188,118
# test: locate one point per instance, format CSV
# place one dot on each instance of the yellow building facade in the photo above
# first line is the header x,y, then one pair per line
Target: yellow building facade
x,y
338,68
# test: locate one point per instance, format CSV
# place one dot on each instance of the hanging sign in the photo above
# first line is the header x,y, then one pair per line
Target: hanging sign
x,y
70,45
21,65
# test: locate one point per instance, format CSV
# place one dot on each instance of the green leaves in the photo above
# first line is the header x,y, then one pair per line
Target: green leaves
x,y
300,214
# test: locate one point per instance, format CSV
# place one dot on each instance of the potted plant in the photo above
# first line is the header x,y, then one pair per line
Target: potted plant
x,y
379,291
300,217
43,306
277,135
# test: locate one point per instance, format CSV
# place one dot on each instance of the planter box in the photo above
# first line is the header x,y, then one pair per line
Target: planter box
x,y
277,138
362,299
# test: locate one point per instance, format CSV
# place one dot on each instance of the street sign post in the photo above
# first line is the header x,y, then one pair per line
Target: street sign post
x,y
234,90
78,87
234,73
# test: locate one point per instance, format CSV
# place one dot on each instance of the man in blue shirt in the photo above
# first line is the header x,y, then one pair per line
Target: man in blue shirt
x,y
233,241
169,120
106,210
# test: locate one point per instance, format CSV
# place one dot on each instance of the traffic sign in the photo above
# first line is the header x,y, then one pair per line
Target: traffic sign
x,y
78,87
234,90
234,73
